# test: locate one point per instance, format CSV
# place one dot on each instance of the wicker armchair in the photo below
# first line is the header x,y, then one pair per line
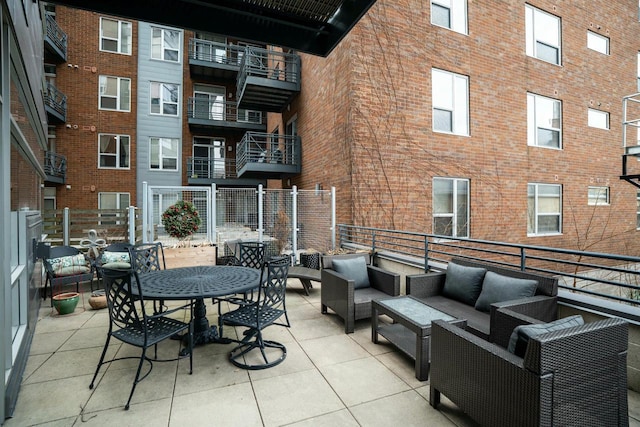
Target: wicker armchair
x,y
339,294
571,377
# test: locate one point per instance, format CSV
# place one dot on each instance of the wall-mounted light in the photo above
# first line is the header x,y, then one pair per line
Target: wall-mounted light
x,y
68,186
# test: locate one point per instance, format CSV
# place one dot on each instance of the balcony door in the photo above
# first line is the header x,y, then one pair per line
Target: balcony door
x,y
208,157
209,102
214,51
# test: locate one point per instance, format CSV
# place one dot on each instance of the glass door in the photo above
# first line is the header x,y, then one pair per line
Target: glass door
x,y
208,157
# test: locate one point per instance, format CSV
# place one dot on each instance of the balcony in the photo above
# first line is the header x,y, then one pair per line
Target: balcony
x,y
268,155
55,41
55,103
268,80
222,172
214,60
55,168
204,114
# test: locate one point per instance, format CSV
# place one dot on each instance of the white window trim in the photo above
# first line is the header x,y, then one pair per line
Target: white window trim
x,y
162,46
117,136
591,36
453,216
162,101
637,210
531,121
531,38
595,201
117,194
119,39
117,97
455,7
591,112
454,109
536,215
160,167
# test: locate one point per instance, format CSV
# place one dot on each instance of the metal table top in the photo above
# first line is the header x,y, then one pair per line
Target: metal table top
x,y
198,282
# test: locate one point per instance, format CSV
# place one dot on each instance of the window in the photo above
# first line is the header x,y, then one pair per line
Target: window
x,y
544,121
115,93
450,14
115,36
598,119
638,77
638,210
544,209
114,201
543,33
165,44
113,151
450,98
598,196
451,207
597,42
164,98
208,157
163,154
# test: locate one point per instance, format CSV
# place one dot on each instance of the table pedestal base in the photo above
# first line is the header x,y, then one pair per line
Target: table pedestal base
x,y
202,332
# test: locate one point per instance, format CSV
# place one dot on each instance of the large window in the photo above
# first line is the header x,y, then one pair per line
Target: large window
x,y
597,42
114,201
544,209
113,151
450,98
165,44
115,36
543,34
598,196
164,98
451,207
450,14
115,93
544,121
163,154
598,119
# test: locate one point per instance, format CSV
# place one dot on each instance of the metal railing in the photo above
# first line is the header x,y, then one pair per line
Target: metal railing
x,y
218,53
55,165
258,147
228,111
202,167
609,276
56,35
56,100
270,64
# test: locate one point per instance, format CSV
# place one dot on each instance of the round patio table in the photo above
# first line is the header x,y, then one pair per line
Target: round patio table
x,y
198,283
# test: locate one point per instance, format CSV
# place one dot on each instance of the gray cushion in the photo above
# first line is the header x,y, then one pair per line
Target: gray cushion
x,y
353,269
463,283
497,288
521,334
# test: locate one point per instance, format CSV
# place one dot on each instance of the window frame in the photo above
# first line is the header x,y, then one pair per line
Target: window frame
x,y
118,97
594,37
595,200
162,157
638,210
460,120
536,215
591,112
118,41
118,195
163,47
117,155
532,122
454,206
161,101
455,8
532,41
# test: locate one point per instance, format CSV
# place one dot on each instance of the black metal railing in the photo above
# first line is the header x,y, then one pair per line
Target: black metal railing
x,y
206,109
271,64
56,35
202,167
56,100
55,165
609,276
258,147
216,53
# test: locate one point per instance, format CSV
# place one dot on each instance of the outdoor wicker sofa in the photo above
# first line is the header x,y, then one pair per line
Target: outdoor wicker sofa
x,y
569,377
489,325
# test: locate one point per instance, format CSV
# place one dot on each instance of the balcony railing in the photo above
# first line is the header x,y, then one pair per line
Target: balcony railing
x,y
603,276
204,168
55,167
56,37
222,111
55,102
215,53
268,152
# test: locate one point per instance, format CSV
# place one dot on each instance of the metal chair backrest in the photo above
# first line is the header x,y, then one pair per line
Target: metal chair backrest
x,y
123,310
118,247
251,255
146,257
273,286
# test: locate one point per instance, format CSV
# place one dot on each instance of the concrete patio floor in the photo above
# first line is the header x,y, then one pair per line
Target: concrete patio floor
x,y
328,379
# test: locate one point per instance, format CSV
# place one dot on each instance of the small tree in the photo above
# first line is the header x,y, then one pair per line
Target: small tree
x,y
282,231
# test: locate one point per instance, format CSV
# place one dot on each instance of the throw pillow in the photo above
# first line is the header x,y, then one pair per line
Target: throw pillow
x,y
463,283
72,270
117,265
354,269
59,265
521,334
108,257
497,288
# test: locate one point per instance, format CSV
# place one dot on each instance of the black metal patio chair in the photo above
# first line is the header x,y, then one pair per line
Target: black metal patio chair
x,y
65,265
146,257
130,323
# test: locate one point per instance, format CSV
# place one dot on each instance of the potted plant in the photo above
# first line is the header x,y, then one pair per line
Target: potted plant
x,y
181,220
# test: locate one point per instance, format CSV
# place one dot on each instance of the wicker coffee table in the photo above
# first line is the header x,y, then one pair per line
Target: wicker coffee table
x,y
411,329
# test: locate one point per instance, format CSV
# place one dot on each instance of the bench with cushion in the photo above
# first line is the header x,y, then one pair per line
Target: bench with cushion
x,y
476,291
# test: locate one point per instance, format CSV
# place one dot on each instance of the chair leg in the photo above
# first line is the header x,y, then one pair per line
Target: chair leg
x,y
104,352
137,379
